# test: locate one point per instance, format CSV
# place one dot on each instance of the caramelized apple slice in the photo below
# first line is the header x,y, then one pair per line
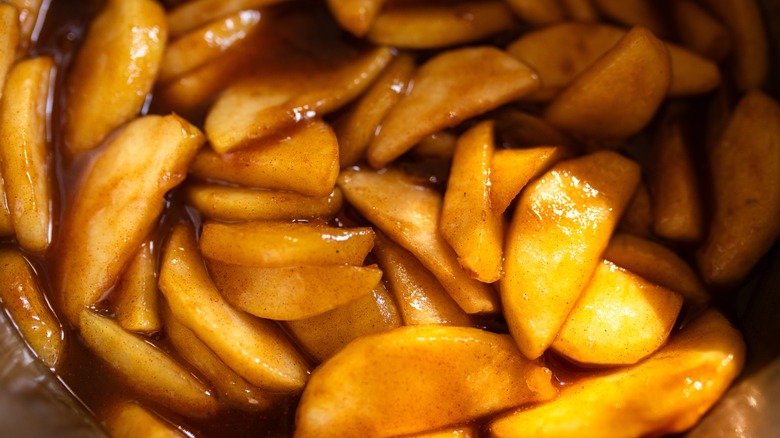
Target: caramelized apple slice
x,y
292,292
689,375
256,349
455,432
511,169
193,14
520,129
638,218
580,10
700,31
114,70
448,89
131,420
619,319
9,39
279,244
538,12
121,198
24,151
145,368
6,221
28,17
560,227
356,16
457,374
409,214
137,307
643,13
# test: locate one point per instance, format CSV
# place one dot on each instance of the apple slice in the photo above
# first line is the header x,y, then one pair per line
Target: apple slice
x,y
28,12
193,14
9,39
580,10
560,227
635,12
6,221
137,307
638,218
455,432
511,169
355,16
700,31
537,12
131,420
415,379
409,214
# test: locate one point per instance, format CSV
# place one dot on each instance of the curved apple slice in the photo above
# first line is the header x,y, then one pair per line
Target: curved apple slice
x,y
356,16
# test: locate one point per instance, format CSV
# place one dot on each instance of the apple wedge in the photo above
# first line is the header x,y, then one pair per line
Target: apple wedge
x,y
9,39
355,16
537,12
130,420
137,307
193,14
457,374
700,31
635,12
6,221
511,169
638,218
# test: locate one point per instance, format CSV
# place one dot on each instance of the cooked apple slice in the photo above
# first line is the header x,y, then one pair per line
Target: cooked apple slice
x,y
468,222
357,127
638,218
355,16
688,375
276,162
560,227
121,197
230,385
420,297
618,94
745,168
580,10
458,374
700,31
6,222
409,214
24,301
448,89
114,71
25,154
511,169
455,432
279,244
619,319
658,264
432,25
520,129
292,292
146,369
130,420
256,349
635,12
9,39
230,203
538,12
28,12
206,43
137,307
438,146
193,14
323,335
284,92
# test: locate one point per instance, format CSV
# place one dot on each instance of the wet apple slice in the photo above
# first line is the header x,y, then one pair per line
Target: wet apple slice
x,y
9,39
635,12
415,379
196,13
131,420
356,16
137,307
537,12
511,169
448,89
700,31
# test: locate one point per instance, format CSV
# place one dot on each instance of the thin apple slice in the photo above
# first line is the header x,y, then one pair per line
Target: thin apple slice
x,y
355,16
745,168
146,369
458,374
700,31
409,214
130,420
25,154
256,349
114,71
420,297
432,25
688,375
619,319
238,204
137,307
511,169
9,39
292,292
323,335
468,222
560,227
121,198
448,89
23,299
279,244
538,12
193,14
276,162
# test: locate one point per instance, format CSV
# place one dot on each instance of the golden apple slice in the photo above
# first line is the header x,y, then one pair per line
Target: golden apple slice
x,y
193,14
24,301
137,307
635,12
580,10
114,71
560,227
511,169
745,168
28,12
130,420
280,244
121,197
409,214
254,348
619,319
355,16
432,25
287,91
700,31
206,43
323,335
292,292
357,127
665,394
456,432
276,163
538,12
6,221
457,374
230,203
677,211
440,146
638,218
420,297
229,384
619,93
24,151
9,40
145,368
448,89
658,264
520,129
